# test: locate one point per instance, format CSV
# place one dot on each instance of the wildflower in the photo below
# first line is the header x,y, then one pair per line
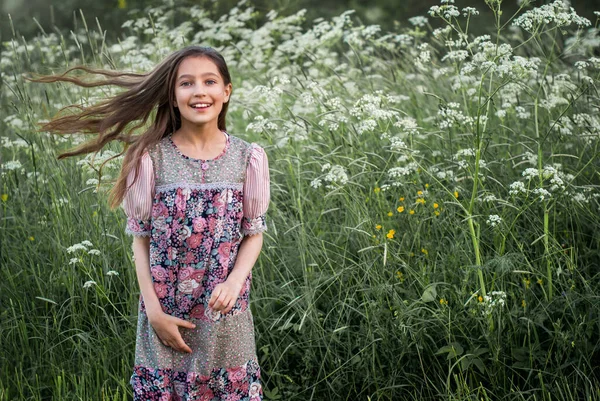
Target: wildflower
x,y
31,238
516,188
437,212
4,197
411,211
493,220
527,283
401,199
523,303
12,165
112,273
400,276
390,214
420,193
88,284
377,190
480,298
435,205
93,252
400,209
378,227
425,251
390,234
421,201
426,185
540,281
443,301
456,194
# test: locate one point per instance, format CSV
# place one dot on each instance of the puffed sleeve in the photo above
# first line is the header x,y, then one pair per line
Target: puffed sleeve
x,y
256,192
138,199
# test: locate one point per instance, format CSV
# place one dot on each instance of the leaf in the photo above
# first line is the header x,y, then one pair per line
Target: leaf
x,y
453,349
430,294
273,394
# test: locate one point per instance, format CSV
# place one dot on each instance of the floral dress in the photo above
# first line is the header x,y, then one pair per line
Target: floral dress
x,y
196,213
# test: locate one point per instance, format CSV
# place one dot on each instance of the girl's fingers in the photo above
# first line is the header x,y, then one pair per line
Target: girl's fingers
x,y
213,298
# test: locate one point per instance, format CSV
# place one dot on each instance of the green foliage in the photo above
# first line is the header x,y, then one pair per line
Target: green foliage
x,y
433,230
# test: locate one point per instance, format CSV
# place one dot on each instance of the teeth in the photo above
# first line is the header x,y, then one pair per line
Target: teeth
x,y
200,105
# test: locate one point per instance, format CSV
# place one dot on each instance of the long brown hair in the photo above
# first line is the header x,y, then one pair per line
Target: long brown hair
x,y
117,118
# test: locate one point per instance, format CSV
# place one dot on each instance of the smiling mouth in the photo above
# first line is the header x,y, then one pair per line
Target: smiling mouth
x,y
200,106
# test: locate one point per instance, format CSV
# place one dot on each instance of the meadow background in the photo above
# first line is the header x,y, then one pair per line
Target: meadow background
x,y
433,232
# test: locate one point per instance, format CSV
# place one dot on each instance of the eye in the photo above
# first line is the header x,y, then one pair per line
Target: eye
x,y
211,82
185,83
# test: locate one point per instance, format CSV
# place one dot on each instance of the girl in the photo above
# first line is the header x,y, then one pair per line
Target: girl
x,y
195,199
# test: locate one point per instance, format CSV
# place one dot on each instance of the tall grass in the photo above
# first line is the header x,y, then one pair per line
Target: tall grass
x,y
433,230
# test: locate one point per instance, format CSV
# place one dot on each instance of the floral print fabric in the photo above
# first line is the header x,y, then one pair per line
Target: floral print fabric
x,y
196,222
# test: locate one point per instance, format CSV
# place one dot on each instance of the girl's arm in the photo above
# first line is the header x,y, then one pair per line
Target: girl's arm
x,y
141,253
225,294
247,255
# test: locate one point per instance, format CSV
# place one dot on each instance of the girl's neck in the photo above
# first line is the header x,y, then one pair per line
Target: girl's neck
x,y
199,137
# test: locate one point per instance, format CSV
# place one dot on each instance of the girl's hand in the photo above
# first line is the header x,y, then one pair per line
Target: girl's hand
x,y
167,329
224,296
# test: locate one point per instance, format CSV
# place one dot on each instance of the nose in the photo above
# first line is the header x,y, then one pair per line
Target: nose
x,y
199,90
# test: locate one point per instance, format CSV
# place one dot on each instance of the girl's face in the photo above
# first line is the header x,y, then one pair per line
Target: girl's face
x,y
200,91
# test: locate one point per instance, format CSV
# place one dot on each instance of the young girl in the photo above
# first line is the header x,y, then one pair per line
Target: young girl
x,y
195,199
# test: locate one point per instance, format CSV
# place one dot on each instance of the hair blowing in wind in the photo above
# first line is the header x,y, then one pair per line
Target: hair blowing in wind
x,y
147,96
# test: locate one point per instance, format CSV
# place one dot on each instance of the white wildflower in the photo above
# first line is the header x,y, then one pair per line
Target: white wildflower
x,y
543,194
89,283
112,273
12,165
517,188
493,220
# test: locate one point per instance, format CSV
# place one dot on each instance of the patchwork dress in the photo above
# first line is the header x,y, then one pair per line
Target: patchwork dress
x,y
196,213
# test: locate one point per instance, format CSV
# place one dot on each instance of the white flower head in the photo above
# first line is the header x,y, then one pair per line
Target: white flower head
x,y
89,283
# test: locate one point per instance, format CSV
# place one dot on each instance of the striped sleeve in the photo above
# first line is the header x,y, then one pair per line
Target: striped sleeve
x,y
138,199
256,192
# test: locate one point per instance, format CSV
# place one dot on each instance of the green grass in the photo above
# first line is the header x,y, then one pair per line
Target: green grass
x,y
343,309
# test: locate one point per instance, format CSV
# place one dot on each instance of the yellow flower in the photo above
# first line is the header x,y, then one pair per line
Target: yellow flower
x,y
378,227
95,213
523,303
31,238
480,298
122,4
4,197
411,254
425,251
540,281
421,201
435,205
377,190
374,236
390,214
437,212
527,283
390,234
456,194
400,276
443,301
426,185
401,199
400,209
419,193
411,211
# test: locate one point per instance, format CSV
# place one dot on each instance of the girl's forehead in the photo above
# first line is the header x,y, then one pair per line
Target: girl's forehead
x,y
197,66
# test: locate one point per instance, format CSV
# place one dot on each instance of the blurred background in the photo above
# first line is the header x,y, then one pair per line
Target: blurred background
x,y
31,16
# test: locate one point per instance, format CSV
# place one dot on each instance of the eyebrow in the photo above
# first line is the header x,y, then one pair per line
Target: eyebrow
x,y
191,76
